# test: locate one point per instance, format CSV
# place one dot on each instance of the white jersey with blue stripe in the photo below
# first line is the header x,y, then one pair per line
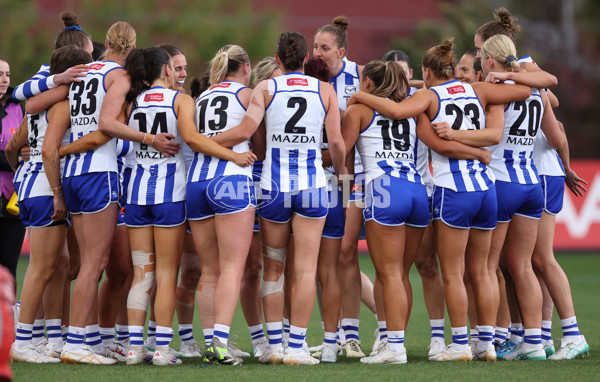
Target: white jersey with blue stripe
x,y
33,180
389,146
460,107
422,160
85,102
218,109
346,83
545,157
294,122
155,178
512,159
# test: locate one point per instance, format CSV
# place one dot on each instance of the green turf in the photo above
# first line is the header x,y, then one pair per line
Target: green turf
x,y
583,273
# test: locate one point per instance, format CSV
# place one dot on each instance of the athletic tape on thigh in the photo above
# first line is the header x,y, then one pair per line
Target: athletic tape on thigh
x,y
278,254
272,287
139,294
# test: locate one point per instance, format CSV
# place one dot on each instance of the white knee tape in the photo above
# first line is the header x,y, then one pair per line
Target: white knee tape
x,y
139,294
272,287
278,254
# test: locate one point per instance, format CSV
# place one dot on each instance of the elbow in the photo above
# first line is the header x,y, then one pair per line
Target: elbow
x,y
29,108
47,152
552,81
104,126
494,140
557,142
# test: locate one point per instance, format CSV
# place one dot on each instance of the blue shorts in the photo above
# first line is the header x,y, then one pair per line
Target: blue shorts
x,y
121,216
384,205
476,209
520,199
35,212
553,188
219,196
278,206
124,184
158,215
358,189
92,192
335,221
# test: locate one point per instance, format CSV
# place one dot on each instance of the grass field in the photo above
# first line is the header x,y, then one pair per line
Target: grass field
x,y
583,271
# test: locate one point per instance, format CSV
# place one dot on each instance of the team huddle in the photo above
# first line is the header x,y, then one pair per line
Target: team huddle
x,y
238,193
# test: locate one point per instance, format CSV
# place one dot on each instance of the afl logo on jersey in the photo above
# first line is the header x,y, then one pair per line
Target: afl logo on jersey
x,y
154,97
456,89
350,90
96,66
297,82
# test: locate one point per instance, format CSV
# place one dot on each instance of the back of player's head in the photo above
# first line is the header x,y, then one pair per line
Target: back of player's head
x,y
66,57
317,67
440,59
72,34
504,23
389,79
144,66
228,60
291,50
502,49
396,55
264,69
121,37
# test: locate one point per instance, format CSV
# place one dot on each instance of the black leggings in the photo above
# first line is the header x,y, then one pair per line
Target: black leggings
x,y
12,233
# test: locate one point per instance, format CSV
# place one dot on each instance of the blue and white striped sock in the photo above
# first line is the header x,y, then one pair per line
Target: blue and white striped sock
x,y
151,336
164,335
274,331
460,339
208,336
136,335
75,338
382,326
257,333
122,333
329,340
437,328
23,336
54,332
500,334
297,337
395,340
107,335
485,336
186,332
532,339
571,329
474,333
92,338
350,326
37,333
546,331
222,333
516,332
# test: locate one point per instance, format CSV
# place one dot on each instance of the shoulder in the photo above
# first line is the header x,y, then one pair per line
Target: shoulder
x,y
358,110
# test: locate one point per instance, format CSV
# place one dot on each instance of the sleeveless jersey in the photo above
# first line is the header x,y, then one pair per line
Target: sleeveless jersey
x,y
545,157
218,109
389,147
33,176
85,101
459,106
156,179
294,121
346,83
422,160
512,158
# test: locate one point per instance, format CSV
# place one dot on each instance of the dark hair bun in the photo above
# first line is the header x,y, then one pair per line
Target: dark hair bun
x,y
69,19
507,20
341,22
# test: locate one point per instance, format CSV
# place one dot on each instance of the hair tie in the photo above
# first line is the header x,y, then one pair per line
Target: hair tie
x,y
73,28
510,58
225,53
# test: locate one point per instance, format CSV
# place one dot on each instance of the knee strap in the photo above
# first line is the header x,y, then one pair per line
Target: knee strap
x,y
139,294
272,287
